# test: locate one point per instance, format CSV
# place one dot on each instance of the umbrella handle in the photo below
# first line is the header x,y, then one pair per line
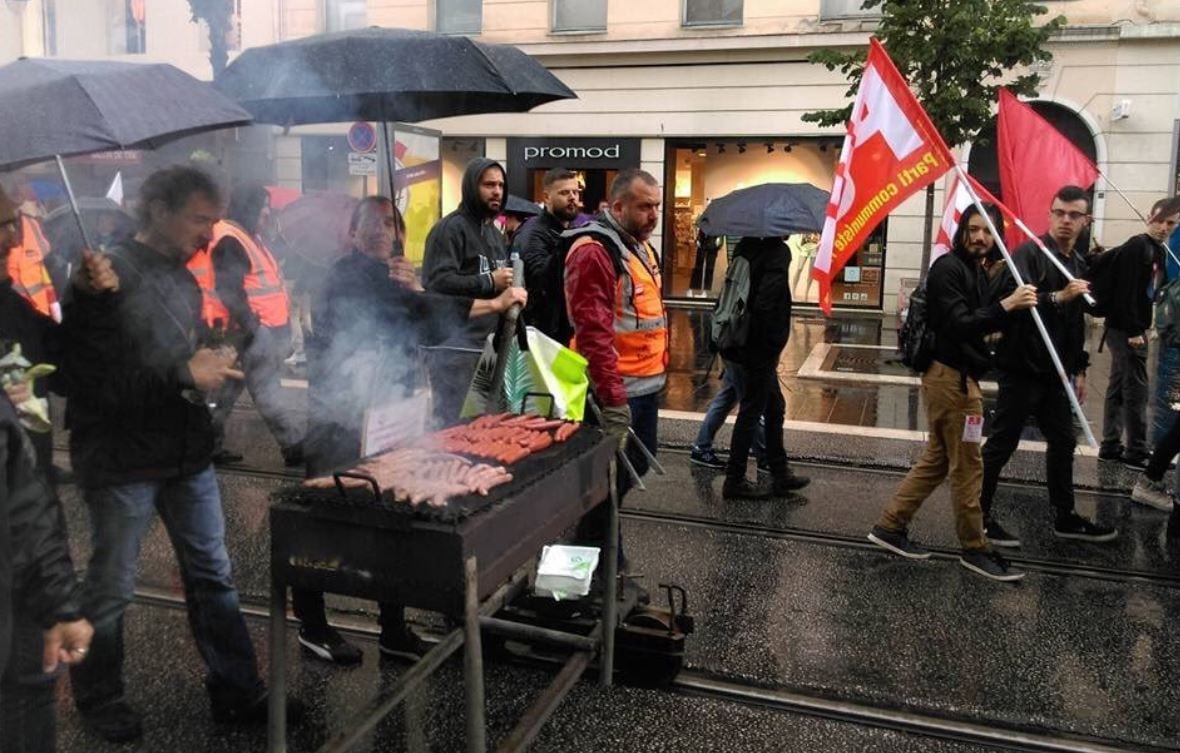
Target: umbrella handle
x,y
65,179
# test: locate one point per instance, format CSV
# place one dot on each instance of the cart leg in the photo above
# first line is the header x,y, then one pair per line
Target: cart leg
x,y
473,661
277,717
610,598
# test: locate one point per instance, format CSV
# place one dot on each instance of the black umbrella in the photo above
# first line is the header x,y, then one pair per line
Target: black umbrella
x,y
53,108
770,210
386,75
518,206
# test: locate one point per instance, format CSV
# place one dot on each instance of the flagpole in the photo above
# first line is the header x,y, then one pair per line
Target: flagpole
x,y
1036,315
1052,257
1119,191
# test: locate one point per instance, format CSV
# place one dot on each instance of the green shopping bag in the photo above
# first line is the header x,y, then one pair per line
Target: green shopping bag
x,y
544,373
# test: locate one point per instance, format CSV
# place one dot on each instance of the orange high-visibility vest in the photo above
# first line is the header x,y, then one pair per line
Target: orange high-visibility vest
x,y
641,323
263,285
26,268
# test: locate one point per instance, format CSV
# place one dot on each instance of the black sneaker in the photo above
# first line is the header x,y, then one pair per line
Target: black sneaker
x,y
898,543
706,458
1078,528
791,482
402,643
115,722
998,536
252,710
989,565
743,489
1137,462
1110,453
763,467
330,646
225,457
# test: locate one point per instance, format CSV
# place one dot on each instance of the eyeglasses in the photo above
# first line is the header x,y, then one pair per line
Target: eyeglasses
x,y
1062,214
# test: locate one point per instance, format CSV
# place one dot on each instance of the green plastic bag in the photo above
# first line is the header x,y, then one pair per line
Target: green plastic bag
x,y
547,373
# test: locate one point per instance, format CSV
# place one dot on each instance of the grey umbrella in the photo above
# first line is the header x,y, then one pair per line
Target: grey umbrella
x,y
769,210
54,108
386,75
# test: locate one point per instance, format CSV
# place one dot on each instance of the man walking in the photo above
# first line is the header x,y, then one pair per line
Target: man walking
x,y
1029,384
961,314
466,256
539,244
141,443
244,297
1127,321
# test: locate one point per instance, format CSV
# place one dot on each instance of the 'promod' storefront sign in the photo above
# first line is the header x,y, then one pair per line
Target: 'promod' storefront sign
x,y
576,154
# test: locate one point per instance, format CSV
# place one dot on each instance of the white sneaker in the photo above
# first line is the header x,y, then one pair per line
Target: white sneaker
x,y
1152,493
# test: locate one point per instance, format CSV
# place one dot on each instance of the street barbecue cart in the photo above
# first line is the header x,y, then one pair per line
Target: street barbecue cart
x,y
464,558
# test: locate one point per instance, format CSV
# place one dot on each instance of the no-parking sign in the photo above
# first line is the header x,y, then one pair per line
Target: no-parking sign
x,y
362,137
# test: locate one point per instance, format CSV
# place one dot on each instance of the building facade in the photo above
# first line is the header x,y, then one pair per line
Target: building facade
x,y
708,95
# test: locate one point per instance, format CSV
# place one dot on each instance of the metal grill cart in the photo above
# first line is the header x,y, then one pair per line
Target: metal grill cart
x,y
463,560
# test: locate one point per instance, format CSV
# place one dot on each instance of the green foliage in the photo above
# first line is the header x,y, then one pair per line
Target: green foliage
x,y
954,53
218,15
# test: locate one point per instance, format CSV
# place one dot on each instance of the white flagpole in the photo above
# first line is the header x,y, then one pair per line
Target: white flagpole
x,y
1052,257
1036,315
1135,209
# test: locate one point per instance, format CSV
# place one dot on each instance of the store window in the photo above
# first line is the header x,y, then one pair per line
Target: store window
x,y
837,9
712,12
325,163
700,171
128,27
341,15
579,15
459,16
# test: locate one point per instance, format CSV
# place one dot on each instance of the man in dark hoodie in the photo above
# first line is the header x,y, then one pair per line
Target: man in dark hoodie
x,y
466,256
1029,384
1127,322
538,244
755,366
141,442
961,314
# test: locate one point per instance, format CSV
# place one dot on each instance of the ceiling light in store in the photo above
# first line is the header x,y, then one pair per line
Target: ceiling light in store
x,y
823,147
769,148
788,148
741,148
721,148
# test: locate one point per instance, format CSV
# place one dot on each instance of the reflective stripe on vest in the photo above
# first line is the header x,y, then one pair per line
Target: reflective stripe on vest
x,y
26,269
641,323
263,283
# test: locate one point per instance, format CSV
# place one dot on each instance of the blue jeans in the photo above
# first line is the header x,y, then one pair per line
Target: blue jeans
x,y
733,386
1167,370
190,508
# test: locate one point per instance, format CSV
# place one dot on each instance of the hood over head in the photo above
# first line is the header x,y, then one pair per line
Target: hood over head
x,y
475,170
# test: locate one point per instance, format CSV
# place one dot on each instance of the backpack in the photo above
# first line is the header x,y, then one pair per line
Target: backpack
x,y
731,320
915,339
1102,272
1167,314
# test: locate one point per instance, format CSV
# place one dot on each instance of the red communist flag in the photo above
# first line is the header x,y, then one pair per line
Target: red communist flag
x,y
958,198
891,151
1036,160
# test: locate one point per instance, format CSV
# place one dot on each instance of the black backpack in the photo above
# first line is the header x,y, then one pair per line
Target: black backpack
x,y
1102,272
915,339
731,315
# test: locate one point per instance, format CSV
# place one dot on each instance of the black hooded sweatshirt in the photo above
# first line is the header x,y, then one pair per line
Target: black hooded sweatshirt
x,y
463,250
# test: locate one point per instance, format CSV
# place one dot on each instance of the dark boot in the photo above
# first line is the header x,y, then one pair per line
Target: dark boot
x,y
740,488
1174,524
787,481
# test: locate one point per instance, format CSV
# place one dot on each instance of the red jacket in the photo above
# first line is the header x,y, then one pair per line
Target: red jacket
x,y
590,289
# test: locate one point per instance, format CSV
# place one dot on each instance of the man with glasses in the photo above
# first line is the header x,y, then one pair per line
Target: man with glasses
x,y
1029,385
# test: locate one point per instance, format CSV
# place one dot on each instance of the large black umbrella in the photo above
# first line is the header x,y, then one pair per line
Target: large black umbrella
x,y
769,210
51,109
386,75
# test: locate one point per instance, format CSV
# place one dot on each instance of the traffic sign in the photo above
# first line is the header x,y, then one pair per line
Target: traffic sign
x,y
362,137
362,164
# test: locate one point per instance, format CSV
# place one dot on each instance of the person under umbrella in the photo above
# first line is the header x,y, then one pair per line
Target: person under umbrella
x,y
515,214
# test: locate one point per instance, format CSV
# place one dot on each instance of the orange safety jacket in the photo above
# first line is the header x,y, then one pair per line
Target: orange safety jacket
x,y
26,269
641,323
263,284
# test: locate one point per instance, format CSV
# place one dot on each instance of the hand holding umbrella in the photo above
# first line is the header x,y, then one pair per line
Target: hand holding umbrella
x,y
96,275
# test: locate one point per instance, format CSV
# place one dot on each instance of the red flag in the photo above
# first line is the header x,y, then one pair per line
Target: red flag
x,y
891,151
1036,160
957,201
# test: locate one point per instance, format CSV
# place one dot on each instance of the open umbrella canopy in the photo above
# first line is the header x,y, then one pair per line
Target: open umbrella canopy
x,y
518,206
52,107
386,75
770,210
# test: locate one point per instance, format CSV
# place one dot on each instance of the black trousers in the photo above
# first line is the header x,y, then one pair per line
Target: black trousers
x,y
1043,397
763,397
27,720
1165,450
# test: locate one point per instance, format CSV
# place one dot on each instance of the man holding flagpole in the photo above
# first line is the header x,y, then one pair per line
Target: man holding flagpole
x,y
1028,386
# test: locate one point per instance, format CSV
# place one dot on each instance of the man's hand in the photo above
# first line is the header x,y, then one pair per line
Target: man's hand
x,y
618,421
505,300
1138,341
210,368
66,643
1074,289
1024,297
502,278
1079,387
96,275
19,392
401,271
